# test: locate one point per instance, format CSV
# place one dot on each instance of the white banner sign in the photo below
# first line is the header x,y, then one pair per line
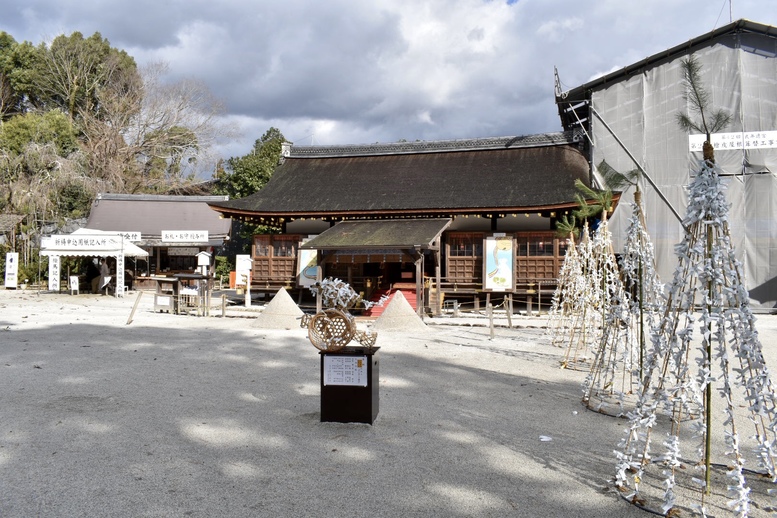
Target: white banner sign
x,y
185,236
96,242
11,269
54,273
499,263
307,266
739,140
242,269
130,236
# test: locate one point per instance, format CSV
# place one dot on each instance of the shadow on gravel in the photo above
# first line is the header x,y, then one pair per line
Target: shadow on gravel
x,y
149,421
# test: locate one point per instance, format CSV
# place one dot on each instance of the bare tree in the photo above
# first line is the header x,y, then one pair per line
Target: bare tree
x,y
152,135
177,127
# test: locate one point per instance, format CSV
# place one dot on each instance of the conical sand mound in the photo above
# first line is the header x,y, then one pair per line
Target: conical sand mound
x,y
280,313
399,316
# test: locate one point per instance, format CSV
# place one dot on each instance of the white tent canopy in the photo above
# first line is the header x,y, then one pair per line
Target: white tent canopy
x,y
87,242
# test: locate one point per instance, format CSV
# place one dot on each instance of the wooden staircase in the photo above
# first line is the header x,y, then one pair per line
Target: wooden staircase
x,y
376,311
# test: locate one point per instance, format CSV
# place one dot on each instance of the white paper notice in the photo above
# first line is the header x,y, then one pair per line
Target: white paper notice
x,y
345,370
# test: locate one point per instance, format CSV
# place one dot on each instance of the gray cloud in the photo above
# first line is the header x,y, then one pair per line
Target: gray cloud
x,y
343,71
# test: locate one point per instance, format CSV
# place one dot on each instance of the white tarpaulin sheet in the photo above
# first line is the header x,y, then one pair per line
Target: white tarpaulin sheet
x,y
740,73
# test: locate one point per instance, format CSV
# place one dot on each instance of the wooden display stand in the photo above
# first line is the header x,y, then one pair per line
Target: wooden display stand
x,y
193,293
166,296
349,385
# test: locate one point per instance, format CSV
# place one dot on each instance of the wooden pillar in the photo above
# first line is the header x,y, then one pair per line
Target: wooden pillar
x,y
437,309
539,297
438,289
530,299
509,308
490,314
419,285
319,277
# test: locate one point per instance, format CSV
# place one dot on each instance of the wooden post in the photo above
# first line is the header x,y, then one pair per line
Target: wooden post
x,y
509,309
223,305
137,300
319,278
490,313
530,291
438,289
208,291
419,286
539,297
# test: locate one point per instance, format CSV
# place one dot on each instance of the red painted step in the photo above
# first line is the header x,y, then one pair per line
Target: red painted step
x,y
376,311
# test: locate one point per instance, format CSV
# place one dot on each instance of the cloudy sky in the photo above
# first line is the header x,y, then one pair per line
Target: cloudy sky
x,y
356,71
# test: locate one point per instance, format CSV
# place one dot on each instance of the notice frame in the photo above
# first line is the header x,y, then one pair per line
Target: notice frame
x,y
499,263
345,370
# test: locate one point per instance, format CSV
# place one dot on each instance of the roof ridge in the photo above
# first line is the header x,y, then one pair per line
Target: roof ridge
x,y
160,197
435,146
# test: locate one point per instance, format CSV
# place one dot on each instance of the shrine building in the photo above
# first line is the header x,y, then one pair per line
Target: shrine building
x,y
440,220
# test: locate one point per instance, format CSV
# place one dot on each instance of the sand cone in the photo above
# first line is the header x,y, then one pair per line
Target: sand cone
x,y
399,316
280,313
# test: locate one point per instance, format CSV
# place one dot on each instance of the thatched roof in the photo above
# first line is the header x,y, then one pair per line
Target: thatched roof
x,y
504,174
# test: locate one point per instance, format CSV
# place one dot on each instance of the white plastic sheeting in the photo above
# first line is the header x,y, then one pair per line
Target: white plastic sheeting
x,y
740,72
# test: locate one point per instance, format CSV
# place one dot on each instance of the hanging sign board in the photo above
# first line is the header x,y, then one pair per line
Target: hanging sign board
x,y
90,242
182,250
307,266
738,140
499,263
129,235
242,269
11,269
184,236
345,370
54,273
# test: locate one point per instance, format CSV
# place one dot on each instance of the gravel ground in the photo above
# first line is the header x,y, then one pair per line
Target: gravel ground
x,y
175,415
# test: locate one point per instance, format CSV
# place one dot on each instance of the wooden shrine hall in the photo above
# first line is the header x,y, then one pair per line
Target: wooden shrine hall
x,y
436,219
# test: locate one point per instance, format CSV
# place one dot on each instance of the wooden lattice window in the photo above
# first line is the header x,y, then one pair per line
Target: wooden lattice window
x,y
538,255
468,244
464,256
262,246
275,258
285,246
